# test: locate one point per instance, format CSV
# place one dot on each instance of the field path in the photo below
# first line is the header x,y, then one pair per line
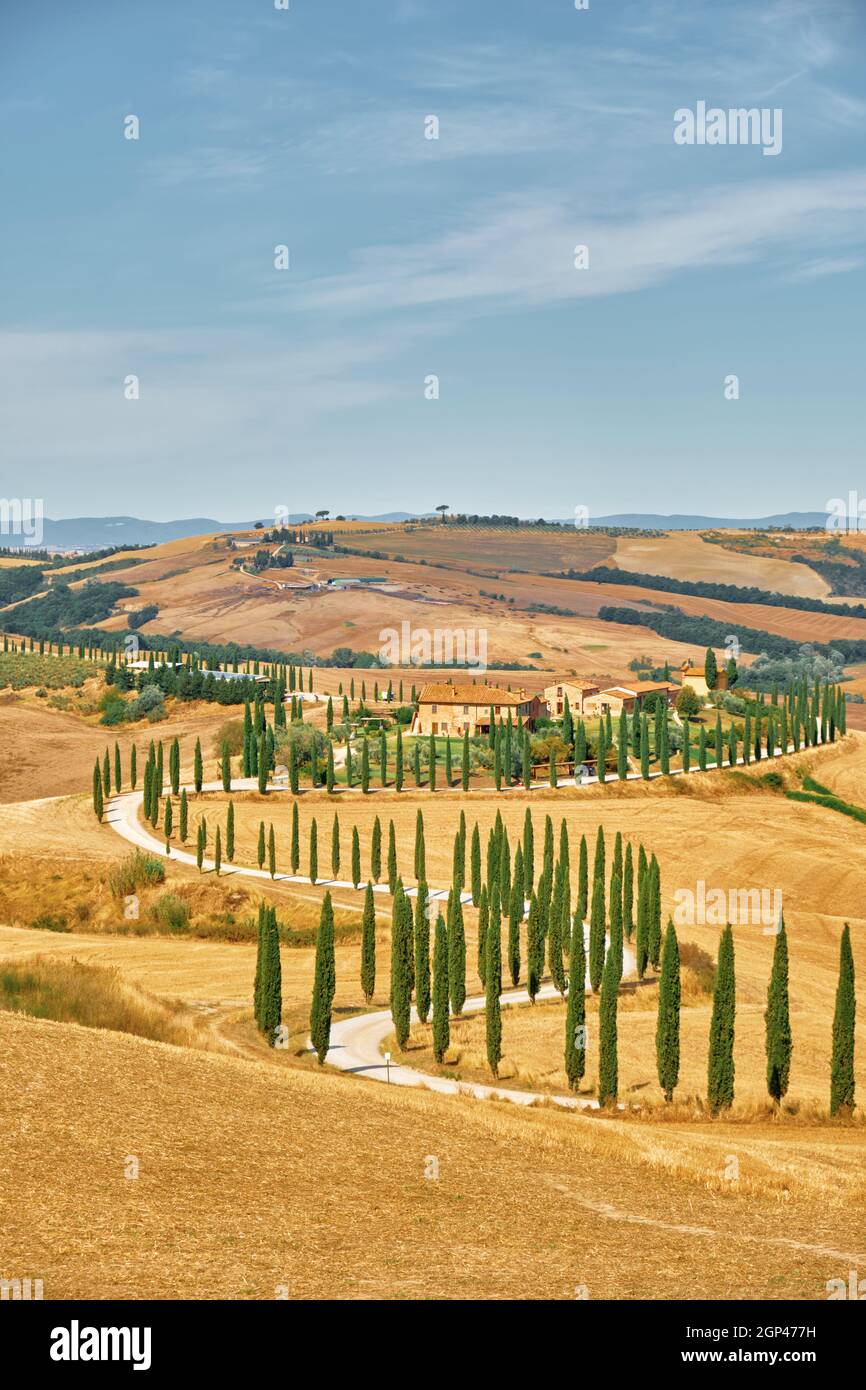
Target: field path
x,y
356,1046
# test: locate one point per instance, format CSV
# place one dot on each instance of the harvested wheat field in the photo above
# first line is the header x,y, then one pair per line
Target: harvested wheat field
x,y
51,753
686,555
236,1194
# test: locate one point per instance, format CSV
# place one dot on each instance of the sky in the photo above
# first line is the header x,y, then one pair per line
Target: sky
x,y
431,340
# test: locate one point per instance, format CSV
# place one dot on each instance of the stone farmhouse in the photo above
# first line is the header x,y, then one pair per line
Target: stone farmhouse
x,y
448,708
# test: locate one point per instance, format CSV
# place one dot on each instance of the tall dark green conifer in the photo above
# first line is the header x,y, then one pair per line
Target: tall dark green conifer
x,y
668,1018
402,965
844,1019
493,988
368,945
608,1062
575,1015
422,953
324,982
777,1019
456,952
720,1071
441,1025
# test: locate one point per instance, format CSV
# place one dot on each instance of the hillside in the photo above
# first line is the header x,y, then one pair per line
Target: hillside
x,y
233,1161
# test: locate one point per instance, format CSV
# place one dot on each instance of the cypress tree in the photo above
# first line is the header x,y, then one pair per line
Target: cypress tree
x,y
718,740
376,851
575,1014
335,847
272,852
475,866
398,761
528,854
365,767
197,774
515,916
356,857
422,953
217,850
174,766
668,1019
199,847
392,858
448,767
622,747
596,926
608,1063
441,1025
644,747
582,881
464,763
225,766
628,894
230,827
777,1019
295,852
616,919
601,756
260,966
324,982
654,908
420,848
314,850
383,758
711,670
493,986
431,761
720,1072
554,935
293,767
534,950
416,762
844,1017
457,952
106,776
329,769
526,759
483,924
460,852
368,945
118,775
133,767
260,848
167,824
98,805
184,819
401,966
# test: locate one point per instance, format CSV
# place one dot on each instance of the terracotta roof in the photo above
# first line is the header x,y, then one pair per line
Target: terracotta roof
x,y
445,694
692,671
573,681
641,688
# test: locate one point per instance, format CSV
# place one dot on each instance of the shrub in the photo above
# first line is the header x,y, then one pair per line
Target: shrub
x,y
138,870
171,911
232,733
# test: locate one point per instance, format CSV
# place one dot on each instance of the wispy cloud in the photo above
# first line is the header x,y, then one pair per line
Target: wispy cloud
x,y
520,250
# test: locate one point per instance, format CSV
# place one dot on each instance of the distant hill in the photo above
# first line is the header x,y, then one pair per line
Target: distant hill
x,y
94,532
646,520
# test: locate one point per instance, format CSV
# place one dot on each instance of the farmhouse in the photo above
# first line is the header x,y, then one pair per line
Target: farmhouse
x,y
577,691
625,697
694,676
446,708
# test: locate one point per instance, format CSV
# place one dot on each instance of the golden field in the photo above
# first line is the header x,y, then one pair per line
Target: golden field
x,y
260,1170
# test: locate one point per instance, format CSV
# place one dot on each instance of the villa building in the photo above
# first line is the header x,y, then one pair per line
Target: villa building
x,y
695,677
448,708
578,691
625,697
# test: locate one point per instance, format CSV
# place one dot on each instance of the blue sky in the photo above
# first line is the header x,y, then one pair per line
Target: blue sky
x,y
304,388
